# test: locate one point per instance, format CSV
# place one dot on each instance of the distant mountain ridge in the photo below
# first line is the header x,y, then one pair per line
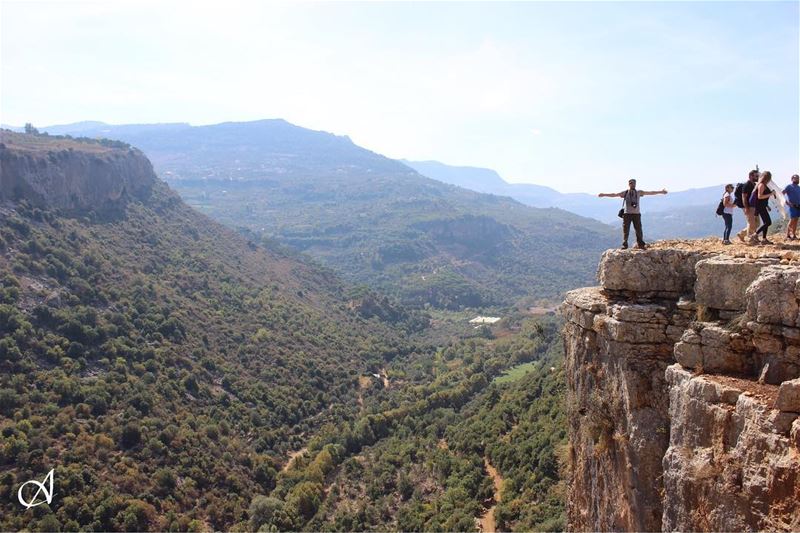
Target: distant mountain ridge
x,y
258,147
488,181
374,219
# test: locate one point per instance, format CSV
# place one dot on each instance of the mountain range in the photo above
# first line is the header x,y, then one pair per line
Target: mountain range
x,y
375,220
679,214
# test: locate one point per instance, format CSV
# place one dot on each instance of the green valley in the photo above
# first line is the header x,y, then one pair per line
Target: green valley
x,y
167,367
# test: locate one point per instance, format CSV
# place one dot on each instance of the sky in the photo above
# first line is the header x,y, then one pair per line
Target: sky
x,y
579,96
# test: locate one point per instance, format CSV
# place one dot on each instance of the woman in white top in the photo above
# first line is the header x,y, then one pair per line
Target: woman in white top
x,y
727,213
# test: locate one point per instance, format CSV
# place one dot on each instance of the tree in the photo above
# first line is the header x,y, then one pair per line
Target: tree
x,y
305,497
131,436
30,130
262,509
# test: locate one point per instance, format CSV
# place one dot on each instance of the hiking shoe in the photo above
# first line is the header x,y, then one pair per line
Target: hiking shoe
x,y
624,246
741,237
766,241
641,246
753,241
726,242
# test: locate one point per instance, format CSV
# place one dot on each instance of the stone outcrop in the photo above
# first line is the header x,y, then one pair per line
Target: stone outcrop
x,y
683,375
53,172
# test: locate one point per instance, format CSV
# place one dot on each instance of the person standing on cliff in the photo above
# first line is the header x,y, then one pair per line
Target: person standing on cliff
x,y
760,198
792,194
631,212
743,200
728,206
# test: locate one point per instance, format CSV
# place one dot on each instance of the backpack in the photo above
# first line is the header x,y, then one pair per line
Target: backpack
x,y
720,208
737,195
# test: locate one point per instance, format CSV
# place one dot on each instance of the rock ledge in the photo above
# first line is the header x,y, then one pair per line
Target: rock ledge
x,y
683,373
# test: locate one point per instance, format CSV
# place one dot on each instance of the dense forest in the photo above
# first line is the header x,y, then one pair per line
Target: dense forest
x,y
417,458
375,220
179,376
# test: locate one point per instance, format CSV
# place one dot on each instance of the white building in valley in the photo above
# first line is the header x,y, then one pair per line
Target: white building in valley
x,y
479,320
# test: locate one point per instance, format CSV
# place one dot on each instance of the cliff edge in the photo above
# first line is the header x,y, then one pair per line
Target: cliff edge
x,y
683,373
72,175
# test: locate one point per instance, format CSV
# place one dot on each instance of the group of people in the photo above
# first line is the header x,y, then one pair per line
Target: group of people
x,y
751,196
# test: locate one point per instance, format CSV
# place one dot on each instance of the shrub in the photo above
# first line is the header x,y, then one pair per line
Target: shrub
x,y
131,436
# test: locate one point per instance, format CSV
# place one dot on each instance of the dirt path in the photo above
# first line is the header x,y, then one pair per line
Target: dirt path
x,y
363,383
292,457
385,378
487,521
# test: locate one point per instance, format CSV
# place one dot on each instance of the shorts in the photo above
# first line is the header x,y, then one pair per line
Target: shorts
x,y
794,212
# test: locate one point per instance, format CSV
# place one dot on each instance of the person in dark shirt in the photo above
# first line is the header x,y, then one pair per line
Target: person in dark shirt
x,y
749,210
792,194
762,195
631,213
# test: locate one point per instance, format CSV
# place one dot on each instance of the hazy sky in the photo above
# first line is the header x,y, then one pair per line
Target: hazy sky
x,y
579,96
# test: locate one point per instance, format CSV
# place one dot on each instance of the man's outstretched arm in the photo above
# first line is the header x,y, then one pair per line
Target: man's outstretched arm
x,y
611,195
651,193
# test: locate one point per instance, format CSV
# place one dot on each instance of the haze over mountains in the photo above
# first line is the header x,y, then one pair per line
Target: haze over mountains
x,y
680,214
374,219
688,213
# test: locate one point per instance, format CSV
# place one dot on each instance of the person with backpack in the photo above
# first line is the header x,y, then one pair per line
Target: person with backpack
x,y
630,212
792,194
725,210
760,198
742,199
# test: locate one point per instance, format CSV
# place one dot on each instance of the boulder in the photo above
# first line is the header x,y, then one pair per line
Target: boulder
x,y
774,296
667,272
722,281
789,396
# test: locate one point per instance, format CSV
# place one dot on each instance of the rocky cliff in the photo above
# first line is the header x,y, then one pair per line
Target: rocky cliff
x,y
683,390
70,175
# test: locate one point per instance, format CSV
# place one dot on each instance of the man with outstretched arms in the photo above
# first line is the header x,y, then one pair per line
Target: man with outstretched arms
x,y
631,212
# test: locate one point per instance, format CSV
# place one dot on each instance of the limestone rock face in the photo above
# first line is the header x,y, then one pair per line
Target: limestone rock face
x,y
655,272
730,465
774,297
69,175
789,396
679,417
722,281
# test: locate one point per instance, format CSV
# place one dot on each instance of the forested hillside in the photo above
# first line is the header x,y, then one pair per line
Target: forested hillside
x,y
168,369
373,219
427,452
154,357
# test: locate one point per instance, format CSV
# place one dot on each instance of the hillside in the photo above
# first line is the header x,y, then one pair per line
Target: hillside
x,y
164,365
373,219
660,208
420,457
178,376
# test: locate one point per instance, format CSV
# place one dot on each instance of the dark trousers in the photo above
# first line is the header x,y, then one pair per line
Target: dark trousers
x,y
728,218
637,226
766,220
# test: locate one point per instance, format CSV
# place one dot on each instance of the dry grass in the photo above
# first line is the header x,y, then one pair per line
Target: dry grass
x,y
48,143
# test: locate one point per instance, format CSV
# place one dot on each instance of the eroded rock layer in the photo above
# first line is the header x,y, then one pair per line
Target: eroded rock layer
x,y
72,176
684,394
